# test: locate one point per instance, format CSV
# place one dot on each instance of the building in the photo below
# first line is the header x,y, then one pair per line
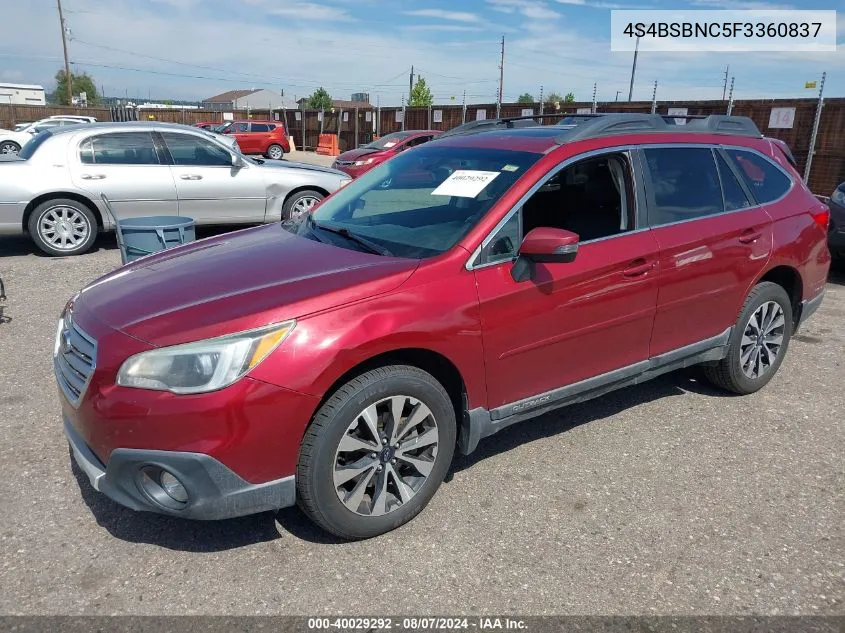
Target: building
x,y
22,94
248,100
361,96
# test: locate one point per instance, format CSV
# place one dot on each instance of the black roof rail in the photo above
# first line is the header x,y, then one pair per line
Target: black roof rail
x,y
485,125
609,123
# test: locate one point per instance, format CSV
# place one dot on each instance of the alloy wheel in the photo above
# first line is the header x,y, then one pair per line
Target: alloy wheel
x,y
762,340
275,152
385,455
9,148
64,228
303,206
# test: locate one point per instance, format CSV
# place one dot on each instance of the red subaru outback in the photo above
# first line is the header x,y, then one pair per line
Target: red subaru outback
x,y
463,286
267,138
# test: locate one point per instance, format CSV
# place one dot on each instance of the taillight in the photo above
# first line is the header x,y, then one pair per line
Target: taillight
x,y
821,217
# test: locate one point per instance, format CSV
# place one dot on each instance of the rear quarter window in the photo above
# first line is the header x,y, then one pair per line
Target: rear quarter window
x,y
766,181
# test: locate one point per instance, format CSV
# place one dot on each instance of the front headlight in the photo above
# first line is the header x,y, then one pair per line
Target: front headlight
x,y
344,182
838,197
359,163
204,365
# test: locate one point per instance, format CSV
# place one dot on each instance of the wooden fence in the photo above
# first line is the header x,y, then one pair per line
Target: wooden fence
x,y
356,127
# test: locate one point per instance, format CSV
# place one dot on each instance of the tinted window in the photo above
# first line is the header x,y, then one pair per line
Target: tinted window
x,y
259,127
684,184
766,181
192,150
418,141
406,205
124,148
735,197
237,128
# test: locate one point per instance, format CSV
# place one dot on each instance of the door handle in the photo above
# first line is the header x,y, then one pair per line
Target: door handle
x,y
638,267
93,176
750,235
190,177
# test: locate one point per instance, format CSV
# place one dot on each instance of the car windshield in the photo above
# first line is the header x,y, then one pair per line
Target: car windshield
x,y
420,203
388,141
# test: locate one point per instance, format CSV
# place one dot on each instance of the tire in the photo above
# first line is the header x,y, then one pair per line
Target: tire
x,y
275,152
300,203
71,219
732,373
9,147
341,419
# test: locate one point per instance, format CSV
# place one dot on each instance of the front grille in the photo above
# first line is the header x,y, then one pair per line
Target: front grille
x,y
75,361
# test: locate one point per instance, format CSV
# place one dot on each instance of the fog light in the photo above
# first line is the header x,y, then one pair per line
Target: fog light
x,y
173,487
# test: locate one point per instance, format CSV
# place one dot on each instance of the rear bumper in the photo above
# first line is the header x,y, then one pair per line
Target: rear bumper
x,y
214,491
809,307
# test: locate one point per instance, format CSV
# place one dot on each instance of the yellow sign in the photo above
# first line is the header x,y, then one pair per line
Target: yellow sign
x,y
810,84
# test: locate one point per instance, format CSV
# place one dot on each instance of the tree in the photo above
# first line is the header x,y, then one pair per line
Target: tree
x,y
553,98
80,83
320,99
569,98
420,94
525,98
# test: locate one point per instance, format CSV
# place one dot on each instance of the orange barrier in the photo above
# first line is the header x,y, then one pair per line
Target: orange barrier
x,y
328,145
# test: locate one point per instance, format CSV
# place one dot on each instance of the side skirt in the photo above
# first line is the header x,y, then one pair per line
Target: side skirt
x,y
480,423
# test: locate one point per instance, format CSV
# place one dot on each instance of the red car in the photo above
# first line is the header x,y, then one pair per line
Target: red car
x,y
358,161
205,125
267,138
341,360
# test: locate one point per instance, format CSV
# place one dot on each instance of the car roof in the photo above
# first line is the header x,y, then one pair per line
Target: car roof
x,y
125,126
537,139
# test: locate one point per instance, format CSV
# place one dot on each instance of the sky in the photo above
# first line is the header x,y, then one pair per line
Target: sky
x,y
193,49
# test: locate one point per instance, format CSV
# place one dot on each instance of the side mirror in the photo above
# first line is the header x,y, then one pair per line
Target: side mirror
x,y
544,245
237,161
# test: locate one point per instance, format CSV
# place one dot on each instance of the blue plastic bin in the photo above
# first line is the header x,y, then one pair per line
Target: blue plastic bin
x,y
146,235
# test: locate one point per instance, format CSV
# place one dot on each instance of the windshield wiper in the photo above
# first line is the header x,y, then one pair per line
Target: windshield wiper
x,y
372,247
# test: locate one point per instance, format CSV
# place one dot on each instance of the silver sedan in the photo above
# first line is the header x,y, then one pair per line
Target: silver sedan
x,y
51,190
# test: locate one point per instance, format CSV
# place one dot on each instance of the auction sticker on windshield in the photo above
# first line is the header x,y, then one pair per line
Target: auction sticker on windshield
x,y
465,183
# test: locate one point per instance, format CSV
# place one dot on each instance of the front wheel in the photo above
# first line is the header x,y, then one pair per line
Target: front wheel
x,y
275,152
758,343
300,204
376,452
9,148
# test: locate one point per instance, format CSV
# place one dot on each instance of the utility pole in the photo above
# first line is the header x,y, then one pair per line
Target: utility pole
x,y
64,48
731,97
654,98
501,79
634,70
725,87
595,86
541,103
411,85
815,130
617,95
464,108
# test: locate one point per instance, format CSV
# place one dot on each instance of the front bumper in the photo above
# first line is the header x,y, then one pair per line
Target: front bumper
x,y
214,491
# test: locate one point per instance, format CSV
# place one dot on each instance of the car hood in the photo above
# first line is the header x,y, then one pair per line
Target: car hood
x,y
235,282
354,154
292,164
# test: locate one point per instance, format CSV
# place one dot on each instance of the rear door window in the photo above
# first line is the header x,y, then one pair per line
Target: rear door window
x,y
119,148
187,149
766,181
735,197
684,184
259,127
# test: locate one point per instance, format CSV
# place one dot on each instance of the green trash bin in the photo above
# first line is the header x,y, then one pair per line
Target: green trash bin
x,y
137,237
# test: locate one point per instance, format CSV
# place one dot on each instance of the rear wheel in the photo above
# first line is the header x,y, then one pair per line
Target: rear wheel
x,y
300,204
9,147
758,343
63,227
275,152
376,452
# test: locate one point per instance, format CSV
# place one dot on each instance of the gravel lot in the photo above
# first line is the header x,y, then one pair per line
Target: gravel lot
x,y
667,498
